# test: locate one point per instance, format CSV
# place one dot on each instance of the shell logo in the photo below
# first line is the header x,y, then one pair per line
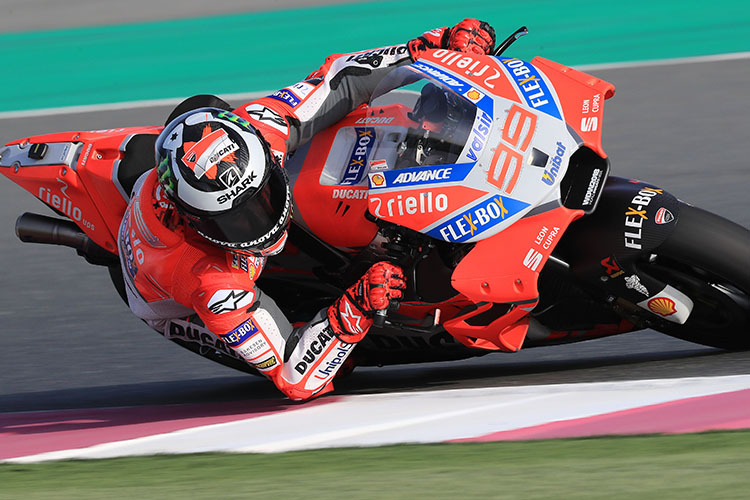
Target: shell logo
x,y
378,179
473,95
662,306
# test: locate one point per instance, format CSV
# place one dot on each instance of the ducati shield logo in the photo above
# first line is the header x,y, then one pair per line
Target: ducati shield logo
x,y
663,216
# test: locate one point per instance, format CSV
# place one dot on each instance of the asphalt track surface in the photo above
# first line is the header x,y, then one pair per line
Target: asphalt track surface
x,y
69,342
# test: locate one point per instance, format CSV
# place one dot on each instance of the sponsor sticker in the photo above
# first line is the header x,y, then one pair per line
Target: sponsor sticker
x,y
531,85
251,265
267,116
355,168
441,76
333,361
633,282
593,187
663,216
377,180
663,306
474,95
533,259
378,165
350,194
636,214
479,132
189,332
202,156
375,120
478,219
403,203
670,303
550,174
313,350
223,301
301,89
241,334
286,95
266,364
611,267
420,175
477,68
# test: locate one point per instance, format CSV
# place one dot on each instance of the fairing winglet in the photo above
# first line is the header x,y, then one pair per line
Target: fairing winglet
x,y
582,99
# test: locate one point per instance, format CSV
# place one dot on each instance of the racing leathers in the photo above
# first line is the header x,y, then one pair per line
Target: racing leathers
x,y
176,280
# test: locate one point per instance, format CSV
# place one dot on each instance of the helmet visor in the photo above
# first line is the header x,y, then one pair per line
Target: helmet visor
x,y
256,223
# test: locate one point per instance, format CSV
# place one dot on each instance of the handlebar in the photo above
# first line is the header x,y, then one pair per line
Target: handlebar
x,y
380,316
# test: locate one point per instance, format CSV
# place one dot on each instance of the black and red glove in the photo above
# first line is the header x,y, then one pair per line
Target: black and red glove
x,y
351,315
471,36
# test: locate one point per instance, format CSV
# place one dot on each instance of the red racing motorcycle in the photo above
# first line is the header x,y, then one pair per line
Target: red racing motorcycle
x,y
485,179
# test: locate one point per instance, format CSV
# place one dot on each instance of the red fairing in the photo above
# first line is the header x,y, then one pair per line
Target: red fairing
x,y
333,212
87,191
582,99
518,255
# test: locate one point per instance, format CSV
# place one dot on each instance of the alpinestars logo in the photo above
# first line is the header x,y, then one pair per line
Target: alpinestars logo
x,y
267,116
202,156
352,320
230,300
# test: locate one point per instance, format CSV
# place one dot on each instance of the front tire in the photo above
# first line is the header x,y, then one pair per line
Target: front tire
x,y
707,257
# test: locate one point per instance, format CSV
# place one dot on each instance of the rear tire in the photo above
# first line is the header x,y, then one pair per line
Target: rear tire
x,y
708,258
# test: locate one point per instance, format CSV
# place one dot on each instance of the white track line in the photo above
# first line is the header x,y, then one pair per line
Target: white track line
x,y
667,62
409,417
247,96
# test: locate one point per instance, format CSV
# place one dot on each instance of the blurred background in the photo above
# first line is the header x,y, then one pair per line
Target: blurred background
x,y
88,52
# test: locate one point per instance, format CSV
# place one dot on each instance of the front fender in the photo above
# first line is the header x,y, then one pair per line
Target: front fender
x,y
632,219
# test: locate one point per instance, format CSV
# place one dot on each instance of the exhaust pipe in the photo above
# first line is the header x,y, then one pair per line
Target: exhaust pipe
x,y
35,228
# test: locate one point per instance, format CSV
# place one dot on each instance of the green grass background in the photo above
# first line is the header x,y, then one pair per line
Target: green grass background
x,y
268,50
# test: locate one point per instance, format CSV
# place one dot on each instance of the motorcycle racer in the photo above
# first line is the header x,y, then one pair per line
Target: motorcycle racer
x,y
199,228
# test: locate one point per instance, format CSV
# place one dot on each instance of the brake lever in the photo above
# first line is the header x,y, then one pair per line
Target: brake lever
x,y
512,38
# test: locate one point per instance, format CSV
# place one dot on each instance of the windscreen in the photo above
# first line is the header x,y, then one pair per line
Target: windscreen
x,y
441,119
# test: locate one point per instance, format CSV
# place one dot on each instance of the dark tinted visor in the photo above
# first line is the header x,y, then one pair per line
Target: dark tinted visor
x,y
257,222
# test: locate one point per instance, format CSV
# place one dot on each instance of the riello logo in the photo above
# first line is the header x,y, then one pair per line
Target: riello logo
x,y
63,203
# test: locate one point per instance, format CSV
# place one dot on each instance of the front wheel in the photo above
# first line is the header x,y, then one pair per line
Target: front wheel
x,y
707,258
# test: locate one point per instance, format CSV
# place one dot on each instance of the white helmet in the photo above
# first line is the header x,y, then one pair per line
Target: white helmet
x,y
223,179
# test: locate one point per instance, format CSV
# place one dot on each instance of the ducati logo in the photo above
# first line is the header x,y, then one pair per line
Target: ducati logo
x,y
202,156
663,216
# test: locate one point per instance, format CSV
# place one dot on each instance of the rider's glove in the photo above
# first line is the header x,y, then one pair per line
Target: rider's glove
x,y
470,36
473,37
380,287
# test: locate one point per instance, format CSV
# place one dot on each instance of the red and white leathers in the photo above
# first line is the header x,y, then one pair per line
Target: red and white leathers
x,y
171,273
